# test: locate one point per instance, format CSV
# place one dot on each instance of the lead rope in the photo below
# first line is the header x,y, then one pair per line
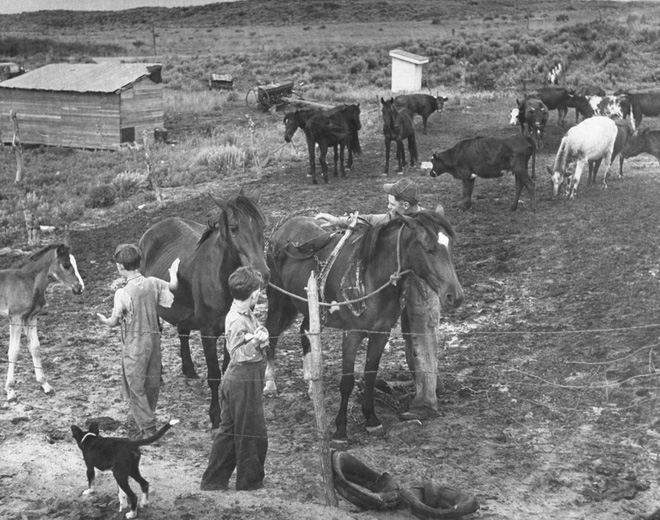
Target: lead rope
x,y
393,280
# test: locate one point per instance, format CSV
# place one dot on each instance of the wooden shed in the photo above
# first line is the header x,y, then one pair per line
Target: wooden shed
x,y
97,106
406,70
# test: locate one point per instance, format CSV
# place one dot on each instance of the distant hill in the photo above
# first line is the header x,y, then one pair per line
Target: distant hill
x,y
279,12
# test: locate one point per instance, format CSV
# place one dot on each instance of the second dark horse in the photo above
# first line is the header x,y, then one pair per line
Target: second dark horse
x,y
337,127
397,126
209,254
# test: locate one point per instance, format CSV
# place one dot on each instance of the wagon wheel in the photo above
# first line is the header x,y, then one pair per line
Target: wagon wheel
x,y
266,100
252,98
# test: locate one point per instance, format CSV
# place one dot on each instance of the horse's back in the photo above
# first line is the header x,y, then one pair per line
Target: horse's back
x,y
167,240
297,230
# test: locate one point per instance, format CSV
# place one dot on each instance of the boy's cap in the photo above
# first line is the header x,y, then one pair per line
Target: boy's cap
x,y
405,189
127,247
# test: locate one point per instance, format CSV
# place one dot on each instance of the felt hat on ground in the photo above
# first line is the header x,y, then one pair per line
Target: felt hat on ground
x,y
432,501
361,485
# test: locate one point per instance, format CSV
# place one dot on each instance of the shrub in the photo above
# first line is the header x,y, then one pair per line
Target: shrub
x,y
222,159
128,183
101,196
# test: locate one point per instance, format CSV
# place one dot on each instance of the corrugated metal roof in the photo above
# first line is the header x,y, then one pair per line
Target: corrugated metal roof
x,y
82,77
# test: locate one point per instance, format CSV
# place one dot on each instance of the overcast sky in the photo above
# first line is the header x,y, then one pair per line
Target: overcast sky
x,y
19,6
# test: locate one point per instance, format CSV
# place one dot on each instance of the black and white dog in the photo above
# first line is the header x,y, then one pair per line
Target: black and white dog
x,y
122,456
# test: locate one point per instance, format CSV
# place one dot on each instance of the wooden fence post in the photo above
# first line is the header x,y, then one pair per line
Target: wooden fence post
x,y
316,362
16,145
150,174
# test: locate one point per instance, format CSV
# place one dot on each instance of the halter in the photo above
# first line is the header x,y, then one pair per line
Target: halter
x,y
85,436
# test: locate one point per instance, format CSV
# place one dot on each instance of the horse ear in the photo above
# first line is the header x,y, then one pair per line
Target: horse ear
x,y
217,202
94,428
382,101
62,250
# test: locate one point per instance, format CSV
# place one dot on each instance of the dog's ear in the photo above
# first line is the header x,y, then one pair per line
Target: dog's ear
x,y
77,433
94,428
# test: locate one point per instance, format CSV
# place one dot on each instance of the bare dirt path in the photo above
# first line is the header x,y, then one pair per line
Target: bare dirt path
x,y
550,390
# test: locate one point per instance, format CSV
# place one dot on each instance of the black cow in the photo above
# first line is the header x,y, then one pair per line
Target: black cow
x,y
590,90
488,157
624,133
421,104
534,114
555,98
643,140
642,104
580,102
582,107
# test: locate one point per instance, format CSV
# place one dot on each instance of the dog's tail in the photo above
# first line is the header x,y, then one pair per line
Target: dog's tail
x,y
158,434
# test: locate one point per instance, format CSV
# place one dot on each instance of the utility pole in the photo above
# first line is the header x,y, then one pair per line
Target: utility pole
x,y
153,37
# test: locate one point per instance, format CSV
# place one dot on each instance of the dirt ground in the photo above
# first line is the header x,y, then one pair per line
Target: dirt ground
x,y
548,403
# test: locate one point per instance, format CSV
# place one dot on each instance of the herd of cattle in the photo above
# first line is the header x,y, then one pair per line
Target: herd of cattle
x,y
614,130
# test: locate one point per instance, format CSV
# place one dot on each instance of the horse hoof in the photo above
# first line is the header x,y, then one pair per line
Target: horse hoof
x,y
190,375
376,431
270,389
11,397
48,390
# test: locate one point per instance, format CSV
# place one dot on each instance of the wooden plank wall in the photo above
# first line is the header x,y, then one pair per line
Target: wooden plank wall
x,y
82,120
142,107
69,119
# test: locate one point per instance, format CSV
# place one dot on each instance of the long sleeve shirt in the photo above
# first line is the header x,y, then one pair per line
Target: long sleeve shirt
x,y
239,322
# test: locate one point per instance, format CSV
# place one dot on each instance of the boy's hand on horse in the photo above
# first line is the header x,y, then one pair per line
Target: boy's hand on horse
x,y
330,220
174,268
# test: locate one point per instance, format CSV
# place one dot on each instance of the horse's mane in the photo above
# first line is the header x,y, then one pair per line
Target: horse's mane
x,y
431,221
239,204
38,254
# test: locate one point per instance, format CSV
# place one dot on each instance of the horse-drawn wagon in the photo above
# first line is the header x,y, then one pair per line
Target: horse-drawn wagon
x,y
270,95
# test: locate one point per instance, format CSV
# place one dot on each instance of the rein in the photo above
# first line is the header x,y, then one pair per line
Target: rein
x,y
85,436
393,280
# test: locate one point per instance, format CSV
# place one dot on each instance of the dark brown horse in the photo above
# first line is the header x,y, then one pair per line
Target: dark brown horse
x,y
299,119
336,127
209,254
397,126
374,259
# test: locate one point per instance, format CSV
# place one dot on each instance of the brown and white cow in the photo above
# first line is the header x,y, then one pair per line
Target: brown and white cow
x,y
642,104
609,106
421,104
643,140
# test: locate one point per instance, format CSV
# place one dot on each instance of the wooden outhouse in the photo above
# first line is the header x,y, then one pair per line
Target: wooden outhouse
x,y
97,106
406,70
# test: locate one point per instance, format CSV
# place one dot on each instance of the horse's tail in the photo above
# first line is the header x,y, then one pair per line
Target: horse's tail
x,y
412,148
355,142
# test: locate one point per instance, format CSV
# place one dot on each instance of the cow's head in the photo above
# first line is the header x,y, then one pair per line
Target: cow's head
x,y
514,116
557,178
440,102
438,164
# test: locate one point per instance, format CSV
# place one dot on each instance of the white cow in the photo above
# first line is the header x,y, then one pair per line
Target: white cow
x,y
591,140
